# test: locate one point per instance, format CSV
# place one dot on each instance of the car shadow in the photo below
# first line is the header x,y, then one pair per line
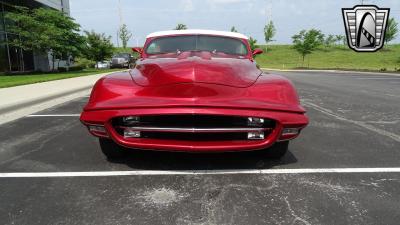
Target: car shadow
x,y
158,160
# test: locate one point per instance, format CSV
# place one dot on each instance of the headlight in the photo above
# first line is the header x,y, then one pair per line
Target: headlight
x,y
255,135
255,122
130,120
129,133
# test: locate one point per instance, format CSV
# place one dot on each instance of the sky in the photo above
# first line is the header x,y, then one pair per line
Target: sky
x,y
248,16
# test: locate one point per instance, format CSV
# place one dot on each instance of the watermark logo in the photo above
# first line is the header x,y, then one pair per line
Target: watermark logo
x,y
365,27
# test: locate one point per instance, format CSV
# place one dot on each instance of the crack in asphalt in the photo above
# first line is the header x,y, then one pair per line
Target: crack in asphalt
x,y
292,212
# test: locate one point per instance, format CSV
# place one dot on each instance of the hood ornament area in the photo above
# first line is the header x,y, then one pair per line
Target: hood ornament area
x,y
365,27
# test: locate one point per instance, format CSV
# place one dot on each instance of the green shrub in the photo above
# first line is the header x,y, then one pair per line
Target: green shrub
x,y
72,68
62,69
77,68
86,63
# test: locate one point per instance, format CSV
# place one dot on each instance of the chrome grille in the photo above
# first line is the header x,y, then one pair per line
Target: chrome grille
x,y
115,61
193,127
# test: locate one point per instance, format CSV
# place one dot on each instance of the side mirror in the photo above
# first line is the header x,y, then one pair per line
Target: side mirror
x,y
257,51
138,50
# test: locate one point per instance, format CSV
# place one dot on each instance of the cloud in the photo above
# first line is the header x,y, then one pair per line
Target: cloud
x,y
187,5
215,4
227,1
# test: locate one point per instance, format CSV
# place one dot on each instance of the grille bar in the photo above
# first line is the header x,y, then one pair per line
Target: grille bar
x,y
195,136
194,127
189,121
197,130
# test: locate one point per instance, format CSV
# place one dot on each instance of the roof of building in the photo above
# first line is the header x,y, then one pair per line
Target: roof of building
x,y
194,31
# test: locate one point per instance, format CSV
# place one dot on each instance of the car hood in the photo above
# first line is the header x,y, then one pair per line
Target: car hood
x,y
270,92
195,68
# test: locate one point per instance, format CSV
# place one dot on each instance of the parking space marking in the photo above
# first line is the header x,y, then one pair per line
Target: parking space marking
x,y
328,112
199,172
377,78
54,115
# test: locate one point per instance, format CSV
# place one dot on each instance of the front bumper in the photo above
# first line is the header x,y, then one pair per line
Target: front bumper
x,y
283,120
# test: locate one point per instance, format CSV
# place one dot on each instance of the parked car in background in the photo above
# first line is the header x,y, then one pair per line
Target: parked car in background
x,y
103,65
121,60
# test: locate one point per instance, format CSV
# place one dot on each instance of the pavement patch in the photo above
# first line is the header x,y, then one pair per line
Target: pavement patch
x,y
162,197
185,199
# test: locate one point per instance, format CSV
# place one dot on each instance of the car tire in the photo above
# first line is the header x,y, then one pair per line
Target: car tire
x,y
277,151
111,150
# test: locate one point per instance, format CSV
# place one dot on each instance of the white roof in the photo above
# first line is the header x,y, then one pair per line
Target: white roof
x,y
193,31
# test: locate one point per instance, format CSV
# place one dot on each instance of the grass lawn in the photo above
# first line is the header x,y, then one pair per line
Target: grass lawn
x,y
339,57
126,50
16,80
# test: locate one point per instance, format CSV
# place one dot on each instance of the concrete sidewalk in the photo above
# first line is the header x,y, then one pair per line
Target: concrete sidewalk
x,y
20,101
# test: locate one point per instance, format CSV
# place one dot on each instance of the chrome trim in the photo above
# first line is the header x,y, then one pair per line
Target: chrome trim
x,y
197,130
288,139
97,133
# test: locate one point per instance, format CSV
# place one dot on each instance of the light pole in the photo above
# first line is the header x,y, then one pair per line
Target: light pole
x,y
120,21
137,41
362,2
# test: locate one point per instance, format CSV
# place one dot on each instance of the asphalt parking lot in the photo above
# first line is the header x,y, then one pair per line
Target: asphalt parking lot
x,y
337,172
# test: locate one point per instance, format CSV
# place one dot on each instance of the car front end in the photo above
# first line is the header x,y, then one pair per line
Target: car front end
x,y
195,93
219,118
195,130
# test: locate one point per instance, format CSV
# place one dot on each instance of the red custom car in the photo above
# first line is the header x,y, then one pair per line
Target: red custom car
x,y
194,91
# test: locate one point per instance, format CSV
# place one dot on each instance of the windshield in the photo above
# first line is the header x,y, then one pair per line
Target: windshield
x,y
215,44
121,55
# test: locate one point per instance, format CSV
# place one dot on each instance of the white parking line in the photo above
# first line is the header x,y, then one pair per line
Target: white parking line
x,y
54,115
377,78
365,125
199,172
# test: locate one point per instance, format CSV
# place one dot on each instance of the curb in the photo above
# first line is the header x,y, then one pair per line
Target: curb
x,y
25,104
334,71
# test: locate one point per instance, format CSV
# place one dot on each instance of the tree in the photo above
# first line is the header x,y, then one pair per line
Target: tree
x,y
391,30
124,35
341,39
98,47
253,43
233,29
329,40
307,41
45,31
269,32
23,24
63,33
181,26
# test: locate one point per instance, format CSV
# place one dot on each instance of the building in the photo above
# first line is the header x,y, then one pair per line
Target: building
x,y
13,59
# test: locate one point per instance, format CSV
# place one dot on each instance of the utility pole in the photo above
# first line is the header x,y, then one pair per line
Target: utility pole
x,y
118,38
121,20
269,11
137,41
